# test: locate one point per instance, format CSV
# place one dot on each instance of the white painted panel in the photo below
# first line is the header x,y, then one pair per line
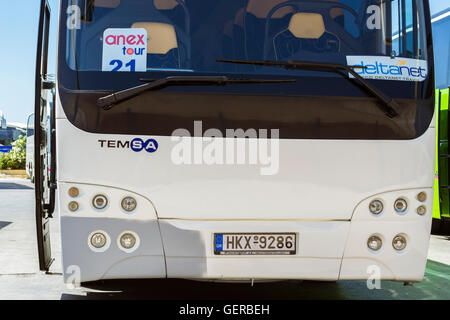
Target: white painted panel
x,y
317,180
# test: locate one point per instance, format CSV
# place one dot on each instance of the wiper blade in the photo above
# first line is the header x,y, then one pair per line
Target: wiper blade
x,y
107,102
390,107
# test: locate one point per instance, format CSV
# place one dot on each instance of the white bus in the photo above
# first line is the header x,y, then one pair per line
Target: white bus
x,y
238,139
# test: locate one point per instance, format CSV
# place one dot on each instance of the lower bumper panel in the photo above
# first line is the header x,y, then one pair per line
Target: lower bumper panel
x,y
189,250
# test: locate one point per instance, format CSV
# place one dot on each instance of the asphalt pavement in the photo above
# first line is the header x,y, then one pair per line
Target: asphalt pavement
x,y
20,278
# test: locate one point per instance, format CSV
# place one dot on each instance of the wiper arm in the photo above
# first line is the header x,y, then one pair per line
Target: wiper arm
x,y
107,102
390,107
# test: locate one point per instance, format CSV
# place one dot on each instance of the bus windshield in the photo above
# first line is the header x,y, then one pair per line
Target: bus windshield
x,y
387,37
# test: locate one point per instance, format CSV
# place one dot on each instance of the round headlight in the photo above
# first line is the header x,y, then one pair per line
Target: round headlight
x,y
73,206
374,243
422,197
422,210
129,204
100,201
98,240
400,205
399,242
376,207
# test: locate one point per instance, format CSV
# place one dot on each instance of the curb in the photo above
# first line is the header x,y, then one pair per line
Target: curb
x,y
13,174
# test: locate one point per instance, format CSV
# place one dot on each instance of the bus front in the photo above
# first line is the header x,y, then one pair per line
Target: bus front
x,y
245,139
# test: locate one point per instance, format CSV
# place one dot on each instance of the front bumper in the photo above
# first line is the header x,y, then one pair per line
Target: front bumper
x,y
175,248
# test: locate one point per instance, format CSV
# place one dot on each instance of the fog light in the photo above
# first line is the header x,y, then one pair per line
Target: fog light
x,y
399,242
376,207
99,201
400,205
73,206
422,210
374,243
74,192
129,204
422,197
98,240
127,240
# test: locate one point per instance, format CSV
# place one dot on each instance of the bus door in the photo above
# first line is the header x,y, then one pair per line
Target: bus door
x,y
44,142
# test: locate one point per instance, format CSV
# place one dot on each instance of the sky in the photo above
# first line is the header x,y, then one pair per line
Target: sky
x,y
18,31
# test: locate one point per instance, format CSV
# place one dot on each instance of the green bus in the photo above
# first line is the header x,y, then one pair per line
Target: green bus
x,y
441,207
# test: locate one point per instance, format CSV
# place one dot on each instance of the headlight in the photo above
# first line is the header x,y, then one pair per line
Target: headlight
x,y
128,241
399,242
98,240
129,204
100,201
374,243
376,207
400,205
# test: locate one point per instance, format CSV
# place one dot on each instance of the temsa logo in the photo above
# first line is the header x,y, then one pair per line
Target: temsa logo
x,y
137,144
131,40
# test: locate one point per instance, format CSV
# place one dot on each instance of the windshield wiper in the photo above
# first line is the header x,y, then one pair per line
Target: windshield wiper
x,y
390,107
107,102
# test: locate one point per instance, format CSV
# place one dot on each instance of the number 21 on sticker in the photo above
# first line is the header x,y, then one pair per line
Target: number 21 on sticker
x,y
118,64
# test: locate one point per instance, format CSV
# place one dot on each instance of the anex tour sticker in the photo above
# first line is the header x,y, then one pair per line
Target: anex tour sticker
x,y
125,50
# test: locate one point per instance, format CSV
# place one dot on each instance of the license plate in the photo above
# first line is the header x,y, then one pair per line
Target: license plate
x,y
255,243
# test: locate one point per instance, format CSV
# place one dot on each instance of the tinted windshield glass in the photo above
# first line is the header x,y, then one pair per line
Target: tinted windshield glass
x,y
189,35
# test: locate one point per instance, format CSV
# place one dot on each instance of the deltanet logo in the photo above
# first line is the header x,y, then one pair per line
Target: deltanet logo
x,y
387,68
400,69
136,145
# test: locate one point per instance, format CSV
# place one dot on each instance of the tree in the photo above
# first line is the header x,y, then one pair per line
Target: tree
x,y
16,158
